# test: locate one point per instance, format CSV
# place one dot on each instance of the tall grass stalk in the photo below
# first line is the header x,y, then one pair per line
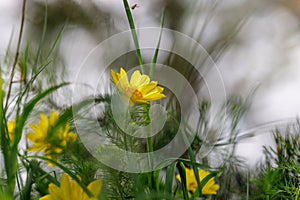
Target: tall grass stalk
x,y
134,35
12,74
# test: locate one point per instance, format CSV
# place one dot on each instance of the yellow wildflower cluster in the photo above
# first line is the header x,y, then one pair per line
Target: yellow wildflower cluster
x,y
48,137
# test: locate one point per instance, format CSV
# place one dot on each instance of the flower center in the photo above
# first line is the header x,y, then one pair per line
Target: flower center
x,y
136,95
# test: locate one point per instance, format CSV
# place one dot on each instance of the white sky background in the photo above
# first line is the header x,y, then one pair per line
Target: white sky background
x,y
9,22
268,58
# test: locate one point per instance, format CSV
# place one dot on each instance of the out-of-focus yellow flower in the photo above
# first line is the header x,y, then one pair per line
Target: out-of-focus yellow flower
x,y
49,138
139,89
70,189
11,127
209,188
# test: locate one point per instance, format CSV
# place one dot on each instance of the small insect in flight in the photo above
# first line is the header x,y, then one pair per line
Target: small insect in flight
x,y
134,6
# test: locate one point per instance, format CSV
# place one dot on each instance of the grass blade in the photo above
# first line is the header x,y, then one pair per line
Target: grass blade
x,y
208,177
54,45
181,170
134,35
154,59
27,110
170,178
39,51
4,144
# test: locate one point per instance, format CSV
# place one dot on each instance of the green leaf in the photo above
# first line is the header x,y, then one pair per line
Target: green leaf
x,y
6,192
155,175
170,174
154,59
181,170
57,39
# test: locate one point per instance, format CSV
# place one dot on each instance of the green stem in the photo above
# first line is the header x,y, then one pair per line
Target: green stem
x,y
150,160
150,150
134,35
147,117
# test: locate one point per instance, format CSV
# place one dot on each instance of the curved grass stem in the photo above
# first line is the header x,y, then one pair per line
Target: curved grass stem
x,y
16,55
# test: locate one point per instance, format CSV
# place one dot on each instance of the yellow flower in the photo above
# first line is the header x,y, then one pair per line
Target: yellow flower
x,y
209,188
11,127
50,140
139,89
70,189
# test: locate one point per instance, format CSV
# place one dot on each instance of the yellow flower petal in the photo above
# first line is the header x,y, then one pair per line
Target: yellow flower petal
x,y
95,188
66,186
148,88
11,127
54,191
135,78
114,76
53,118
153,97
44,123
122,76
47,197
138,80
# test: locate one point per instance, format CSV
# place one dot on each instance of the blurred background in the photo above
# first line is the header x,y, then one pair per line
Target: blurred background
x,y
255,45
